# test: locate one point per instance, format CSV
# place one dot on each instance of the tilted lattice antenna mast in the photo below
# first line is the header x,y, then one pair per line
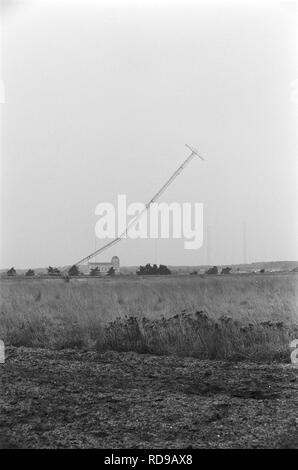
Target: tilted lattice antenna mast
x,y
113,242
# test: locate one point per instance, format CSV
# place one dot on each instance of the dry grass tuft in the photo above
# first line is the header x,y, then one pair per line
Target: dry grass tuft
x,y
199,336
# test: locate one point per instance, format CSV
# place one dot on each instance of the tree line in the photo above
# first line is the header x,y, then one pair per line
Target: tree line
x,y
162,269
74,271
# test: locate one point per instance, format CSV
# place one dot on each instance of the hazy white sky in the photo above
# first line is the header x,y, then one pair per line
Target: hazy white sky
x,y
101,98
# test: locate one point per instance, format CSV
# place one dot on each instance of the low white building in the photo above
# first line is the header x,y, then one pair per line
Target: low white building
x,y
104,267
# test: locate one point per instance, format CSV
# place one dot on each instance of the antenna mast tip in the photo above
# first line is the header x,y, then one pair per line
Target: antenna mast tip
x,y
195,151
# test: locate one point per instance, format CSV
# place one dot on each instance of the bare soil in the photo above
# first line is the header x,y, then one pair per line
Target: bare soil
x,y
72,399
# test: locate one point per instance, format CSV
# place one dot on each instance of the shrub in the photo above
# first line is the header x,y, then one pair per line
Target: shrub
x,y
30,272
226,270
213,270
200,336
94,271
11,272
53,271
74,271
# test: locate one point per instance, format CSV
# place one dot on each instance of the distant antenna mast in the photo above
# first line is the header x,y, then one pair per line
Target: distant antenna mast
x,y
194,152
209,245
244,243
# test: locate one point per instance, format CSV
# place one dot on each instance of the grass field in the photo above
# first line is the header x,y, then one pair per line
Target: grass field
x,y
217,317
156,362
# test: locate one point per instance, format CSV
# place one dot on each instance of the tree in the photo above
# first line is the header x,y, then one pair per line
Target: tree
x,y
163,269
30,272
154,269
94,271
53,271
111,271
226,270
11,272
74,271
141,270
213,270
145,269
148,269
